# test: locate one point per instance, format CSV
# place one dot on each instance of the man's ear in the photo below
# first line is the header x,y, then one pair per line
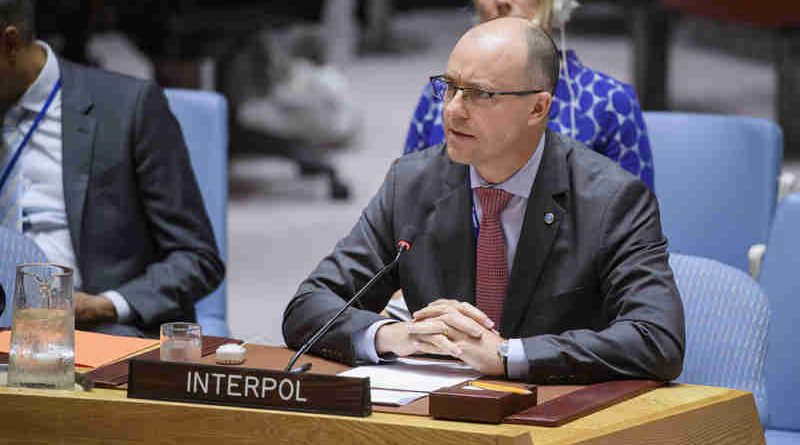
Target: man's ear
x,y
540,111
10,43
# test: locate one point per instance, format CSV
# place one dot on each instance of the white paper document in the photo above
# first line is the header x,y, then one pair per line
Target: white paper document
x,y
414,374
394,398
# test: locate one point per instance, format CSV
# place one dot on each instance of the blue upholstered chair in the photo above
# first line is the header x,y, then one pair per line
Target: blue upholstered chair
x,y
780,278
203,117
15,249
727,316
716,179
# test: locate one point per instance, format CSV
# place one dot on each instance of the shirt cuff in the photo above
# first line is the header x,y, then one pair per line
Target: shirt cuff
x,y
517,365
365,342
123,308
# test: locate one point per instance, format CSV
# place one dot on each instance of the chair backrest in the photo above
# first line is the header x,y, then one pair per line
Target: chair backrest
x,y
203,117
780,278
716,179
727,317
15,249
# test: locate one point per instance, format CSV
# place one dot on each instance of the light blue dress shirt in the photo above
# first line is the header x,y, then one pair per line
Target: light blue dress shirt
x,y
512,218
44,217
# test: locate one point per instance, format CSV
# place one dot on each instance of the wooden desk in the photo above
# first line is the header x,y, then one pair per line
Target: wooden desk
x,y
681,414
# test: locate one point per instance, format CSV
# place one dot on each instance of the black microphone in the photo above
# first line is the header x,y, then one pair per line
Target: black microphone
x,y
2,299
403,245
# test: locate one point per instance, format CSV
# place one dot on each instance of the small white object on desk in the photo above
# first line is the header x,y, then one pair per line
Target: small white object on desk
x,y
231,354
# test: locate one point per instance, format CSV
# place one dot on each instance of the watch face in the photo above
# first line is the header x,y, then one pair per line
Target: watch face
x,y
503,349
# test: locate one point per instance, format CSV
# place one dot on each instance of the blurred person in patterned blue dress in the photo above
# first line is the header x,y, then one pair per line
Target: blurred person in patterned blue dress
x,y
590,106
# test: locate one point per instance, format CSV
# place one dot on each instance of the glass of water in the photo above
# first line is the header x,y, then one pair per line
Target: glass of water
x,y
181,342
42,353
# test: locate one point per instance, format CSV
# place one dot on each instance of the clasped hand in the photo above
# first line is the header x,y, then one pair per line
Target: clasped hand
x,y
91,310
446,327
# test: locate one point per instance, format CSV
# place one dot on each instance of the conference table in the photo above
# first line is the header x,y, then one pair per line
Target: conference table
x,y
675,414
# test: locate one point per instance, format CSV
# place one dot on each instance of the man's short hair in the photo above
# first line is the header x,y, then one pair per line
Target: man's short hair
x,y
18,13
543,59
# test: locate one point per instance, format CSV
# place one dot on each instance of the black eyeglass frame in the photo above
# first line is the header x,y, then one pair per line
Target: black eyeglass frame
x,y
491,94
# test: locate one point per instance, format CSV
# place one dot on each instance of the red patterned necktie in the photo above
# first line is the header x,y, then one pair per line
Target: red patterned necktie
x,y
491,278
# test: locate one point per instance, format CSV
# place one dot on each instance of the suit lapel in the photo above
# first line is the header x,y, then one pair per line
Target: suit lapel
x,y
78,130
452,235
538,232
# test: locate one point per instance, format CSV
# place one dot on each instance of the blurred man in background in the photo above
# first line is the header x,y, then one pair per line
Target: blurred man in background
x,y
96,172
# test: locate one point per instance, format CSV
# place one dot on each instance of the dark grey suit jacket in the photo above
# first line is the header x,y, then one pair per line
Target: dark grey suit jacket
x,y
591,295
135,214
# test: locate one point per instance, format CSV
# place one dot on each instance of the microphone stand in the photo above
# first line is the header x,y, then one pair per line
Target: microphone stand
x,y
402,247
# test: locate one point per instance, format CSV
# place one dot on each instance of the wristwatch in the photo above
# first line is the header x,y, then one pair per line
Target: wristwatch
x,y
502,352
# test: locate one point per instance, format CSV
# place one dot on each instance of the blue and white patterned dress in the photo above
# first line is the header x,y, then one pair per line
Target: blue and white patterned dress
x,y
608,119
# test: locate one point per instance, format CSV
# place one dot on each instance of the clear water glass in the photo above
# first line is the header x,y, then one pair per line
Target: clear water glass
x,y
42,353
181,342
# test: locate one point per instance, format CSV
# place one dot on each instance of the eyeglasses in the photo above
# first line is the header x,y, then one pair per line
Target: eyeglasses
x,y
444,89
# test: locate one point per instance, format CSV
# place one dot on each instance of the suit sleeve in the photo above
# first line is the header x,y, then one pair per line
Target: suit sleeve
x,y
353,262
644,335
189,266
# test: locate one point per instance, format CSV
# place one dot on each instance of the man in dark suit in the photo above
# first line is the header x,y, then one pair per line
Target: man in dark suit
x,y
535,257
103,184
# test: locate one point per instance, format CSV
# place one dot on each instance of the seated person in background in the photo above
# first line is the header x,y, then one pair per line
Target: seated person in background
x,y
589,106
535,258
103,185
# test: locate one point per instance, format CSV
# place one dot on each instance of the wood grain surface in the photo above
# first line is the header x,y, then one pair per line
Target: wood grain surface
x,y
680,414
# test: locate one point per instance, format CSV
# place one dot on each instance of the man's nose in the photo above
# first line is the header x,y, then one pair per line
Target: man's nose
x,y
457,105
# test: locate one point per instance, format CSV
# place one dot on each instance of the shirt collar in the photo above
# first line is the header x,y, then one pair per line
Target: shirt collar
x,y
521,182
36,95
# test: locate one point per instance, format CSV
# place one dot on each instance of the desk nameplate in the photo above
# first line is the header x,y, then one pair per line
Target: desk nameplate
x,y
248,387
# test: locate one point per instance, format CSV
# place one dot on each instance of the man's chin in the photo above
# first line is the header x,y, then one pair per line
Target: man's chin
x,y
457,154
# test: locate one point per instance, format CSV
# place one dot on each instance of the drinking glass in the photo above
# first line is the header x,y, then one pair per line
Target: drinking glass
x,y
42,353
181,342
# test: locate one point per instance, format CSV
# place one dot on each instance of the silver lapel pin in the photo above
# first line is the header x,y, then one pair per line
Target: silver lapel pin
x,y
549,218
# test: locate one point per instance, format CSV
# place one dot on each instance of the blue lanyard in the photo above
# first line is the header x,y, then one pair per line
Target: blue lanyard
x,y
13,162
